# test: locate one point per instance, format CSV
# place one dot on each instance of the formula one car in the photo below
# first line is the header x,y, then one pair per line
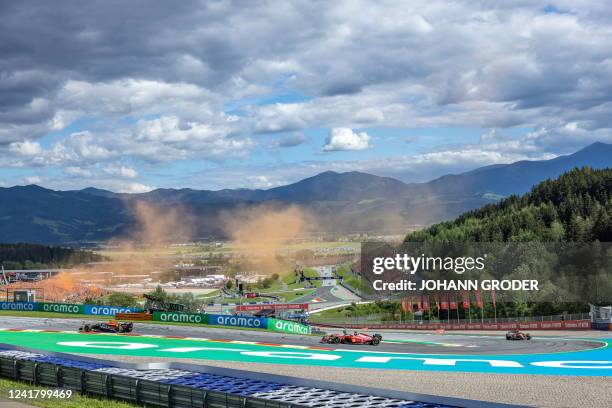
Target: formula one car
x,y
517,335
355,338
111,326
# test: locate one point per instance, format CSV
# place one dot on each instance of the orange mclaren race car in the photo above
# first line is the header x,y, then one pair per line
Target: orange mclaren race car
x,y
112,326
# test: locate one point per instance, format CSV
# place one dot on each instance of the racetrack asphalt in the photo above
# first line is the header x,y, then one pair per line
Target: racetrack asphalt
x,y
531,390
420,343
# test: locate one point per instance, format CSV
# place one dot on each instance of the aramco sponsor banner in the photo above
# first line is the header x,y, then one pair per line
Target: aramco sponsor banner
x,y
95,310
288,327
238,321
60,308
21,306
180,317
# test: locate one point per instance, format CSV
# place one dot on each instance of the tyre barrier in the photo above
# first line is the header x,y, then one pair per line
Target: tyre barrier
x,y
178,388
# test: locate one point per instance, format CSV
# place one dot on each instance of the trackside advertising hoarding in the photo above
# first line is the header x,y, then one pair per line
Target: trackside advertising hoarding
x,y
552,325
94,310
61,308
288,327
21,306
275,306
180,317
238,321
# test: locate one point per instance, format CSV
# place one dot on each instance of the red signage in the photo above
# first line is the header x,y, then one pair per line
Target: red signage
x,y
251,295
278,306
556,325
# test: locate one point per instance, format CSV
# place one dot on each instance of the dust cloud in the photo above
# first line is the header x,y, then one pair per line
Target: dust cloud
x,y
142,248
161,225
264,230
63,287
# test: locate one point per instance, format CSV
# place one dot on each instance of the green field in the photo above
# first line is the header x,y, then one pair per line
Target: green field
x,y
352,280
117,254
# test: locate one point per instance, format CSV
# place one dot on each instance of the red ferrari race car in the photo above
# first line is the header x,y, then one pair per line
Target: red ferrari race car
x,y
517,335
355,338
111,326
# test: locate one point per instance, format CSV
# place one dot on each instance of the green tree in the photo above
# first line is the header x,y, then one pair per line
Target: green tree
x,y
121,299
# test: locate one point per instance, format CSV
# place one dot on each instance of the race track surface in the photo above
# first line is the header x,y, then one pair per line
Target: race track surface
x,y
400,342
551,372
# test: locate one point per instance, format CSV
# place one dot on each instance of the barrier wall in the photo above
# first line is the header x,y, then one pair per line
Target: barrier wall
x,y
238,321
275,306
277,325
602,326
91,310
286,326
175,317
22,306
557,325
60,308
94,310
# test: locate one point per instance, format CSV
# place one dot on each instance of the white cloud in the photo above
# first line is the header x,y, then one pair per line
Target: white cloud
x,y
261,182
26,148
77,171
32,180
133,188
194,91
346,139
121,171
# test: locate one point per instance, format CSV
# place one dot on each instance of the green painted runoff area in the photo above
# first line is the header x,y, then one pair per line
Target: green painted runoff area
x,y
584,363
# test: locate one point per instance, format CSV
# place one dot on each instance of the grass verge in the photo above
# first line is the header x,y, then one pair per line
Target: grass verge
x,y
76,401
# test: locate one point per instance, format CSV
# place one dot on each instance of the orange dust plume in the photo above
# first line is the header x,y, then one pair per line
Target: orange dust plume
x,y
63,287
158,225
265,229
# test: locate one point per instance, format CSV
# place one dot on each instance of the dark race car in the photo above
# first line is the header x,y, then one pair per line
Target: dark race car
x,y
517,335
355,338
111,326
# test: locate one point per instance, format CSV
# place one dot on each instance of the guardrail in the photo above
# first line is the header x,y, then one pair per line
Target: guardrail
x,y
189,386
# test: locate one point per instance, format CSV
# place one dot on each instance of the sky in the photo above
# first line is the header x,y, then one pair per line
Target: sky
x,y
136,95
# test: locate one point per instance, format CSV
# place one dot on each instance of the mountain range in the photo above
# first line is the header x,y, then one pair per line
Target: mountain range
x,y
337,202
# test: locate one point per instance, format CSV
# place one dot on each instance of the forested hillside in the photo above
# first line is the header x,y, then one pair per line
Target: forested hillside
x,y
576,207
33,256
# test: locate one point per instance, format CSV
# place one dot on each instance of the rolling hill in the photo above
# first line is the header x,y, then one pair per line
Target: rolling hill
x,y
575,207
341,202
